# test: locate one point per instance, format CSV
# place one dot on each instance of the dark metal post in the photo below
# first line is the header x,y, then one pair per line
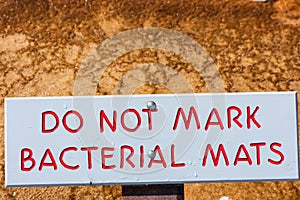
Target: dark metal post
x,y
153,192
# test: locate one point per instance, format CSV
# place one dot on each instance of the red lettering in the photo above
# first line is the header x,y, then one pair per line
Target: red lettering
x,y
142,156
234,119
162,159
28,158
123,120
53,114
215,159
173,164
215,112
275,144
148,111
65,121
187,122
61,158
104,156
258,145
53,164
89,155
251,117
238,158
111,126
128,157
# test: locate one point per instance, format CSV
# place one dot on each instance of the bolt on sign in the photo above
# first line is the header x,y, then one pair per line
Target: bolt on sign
x,y
143,139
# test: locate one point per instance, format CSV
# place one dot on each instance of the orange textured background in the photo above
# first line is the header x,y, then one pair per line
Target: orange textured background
x,y
256,47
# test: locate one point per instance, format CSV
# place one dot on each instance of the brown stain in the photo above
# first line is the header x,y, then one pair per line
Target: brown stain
x,y
255,47
288,12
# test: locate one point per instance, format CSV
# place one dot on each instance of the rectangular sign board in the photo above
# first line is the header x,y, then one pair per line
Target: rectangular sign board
x,y
143,139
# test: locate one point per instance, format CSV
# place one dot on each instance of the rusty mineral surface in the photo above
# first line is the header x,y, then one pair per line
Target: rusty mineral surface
x,y
256,48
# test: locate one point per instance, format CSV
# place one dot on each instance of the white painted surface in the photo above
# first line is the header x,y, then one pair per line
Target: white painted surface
x,y
276,115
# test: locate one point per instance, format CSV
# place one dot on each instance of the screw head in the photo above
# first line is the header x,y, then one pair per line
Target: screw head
x,y
151,105
151,154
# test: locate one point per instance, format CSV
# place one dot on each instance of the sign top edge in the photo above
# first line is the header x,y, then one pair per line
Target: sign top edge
x,y
147,95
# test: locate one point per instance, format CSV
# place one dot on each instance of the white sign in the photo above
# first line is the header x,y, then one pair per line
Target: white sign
x,y
142,139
